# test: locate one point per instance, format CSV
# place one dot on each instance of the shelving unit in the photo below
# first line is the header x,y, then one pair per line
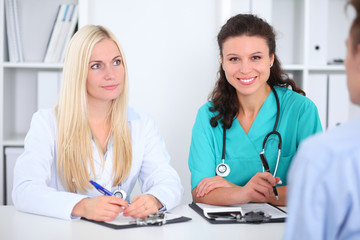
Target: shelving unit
x,y
296,24
18,80
310,36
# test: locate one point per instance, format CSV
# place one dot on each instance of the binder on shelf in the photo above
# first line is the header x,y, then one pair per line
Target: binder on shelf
x,y
240,213
65,24
317,92
55,26
13,31
317,48
54,38
10,31
339,102
72,25
63,29
17,32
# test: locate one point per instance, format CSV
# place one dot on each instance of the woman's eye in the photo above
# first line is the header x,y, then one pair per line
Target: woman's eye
x,y
233,59
95,66
256,57
117,62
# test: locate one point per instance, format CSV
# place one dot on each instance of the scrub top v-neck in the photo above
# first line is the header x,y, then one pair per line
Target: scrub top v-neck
x,y
298,119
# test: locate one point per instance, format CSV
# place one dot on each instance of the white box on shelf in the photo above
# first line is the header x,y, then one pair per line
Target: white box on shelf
x,y
11,154
239,7
317,92
318,29
263,9
339,21
288,22
48,88
354,111
229,8
339,102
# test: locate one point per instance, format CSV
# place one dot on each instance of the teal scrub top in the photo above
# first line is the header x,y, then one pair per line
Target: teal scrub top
x,y
298,119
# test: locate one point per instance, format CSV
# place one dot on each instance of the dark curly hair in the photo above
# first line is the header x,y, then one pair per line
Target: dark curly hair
x,y
224,97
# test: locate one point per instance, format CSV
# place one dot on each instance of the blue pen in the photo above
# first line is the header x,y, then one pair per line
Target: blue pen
x,y
101,189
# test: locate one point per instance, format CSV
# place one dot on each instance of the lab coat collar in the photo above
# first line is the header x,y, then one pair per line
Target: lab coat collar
x,y
131,114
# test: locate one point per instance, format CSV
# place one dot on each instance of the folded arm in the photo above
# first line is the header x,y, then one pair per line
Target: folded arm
x,y
219,191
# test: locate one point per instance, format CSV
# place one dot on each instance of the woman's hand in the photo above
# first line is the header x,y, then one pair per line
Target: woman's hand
x,y
208,184
102,208
142,206
259,187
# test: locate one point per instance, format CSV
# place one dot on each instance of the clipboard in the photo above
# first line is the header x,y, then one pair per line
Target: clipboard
x,y
170,218
281,215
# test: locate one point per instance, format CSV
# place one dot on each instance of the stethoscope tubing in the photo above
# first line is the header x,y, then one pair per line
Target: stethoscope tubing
x,y
274,131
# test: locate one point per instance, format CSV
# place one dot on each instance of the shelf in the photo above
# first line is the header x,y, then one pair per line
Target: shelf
x,y
15,140
19,81
15,143
38,65
299,67
293,67
335,68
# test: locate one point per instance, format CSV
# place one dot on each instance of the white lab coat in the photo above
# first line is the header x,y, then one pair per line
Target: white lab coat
x,y
38,189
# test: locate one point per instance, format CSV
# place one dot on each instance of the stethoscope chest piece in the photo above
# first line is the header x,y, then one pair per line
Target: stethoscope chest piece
x,y
222,170
120,194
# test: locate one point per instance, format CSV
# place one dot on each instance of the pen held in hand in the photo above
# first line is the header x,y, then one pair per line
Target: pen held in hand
x,y
267,169
118,193
101,188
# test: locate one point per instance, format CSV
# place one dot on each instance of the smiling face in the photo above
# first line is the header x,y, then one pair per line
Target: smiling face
x,y
246,63
106,75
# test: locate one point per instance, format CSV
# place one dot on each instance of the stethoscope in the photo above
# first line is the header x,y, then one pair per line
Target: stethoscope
x,y
120,193
223,169
117,193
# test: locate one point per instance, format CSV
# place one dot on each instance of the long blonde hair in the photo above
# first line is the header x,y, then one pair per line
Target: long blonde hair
x,y
74,146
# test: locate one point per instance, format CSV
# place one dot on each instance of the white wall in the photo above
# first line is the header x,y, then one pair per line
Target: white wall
x,y
172,54
172,57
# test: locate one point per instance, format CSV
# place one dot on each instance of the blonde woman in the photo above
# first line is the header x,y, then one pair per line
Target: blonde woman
x,y
92,135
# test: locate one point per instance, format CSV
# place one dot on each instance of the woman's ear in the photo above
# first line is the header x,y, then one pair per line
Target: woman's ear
x,y
272,59
221,61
